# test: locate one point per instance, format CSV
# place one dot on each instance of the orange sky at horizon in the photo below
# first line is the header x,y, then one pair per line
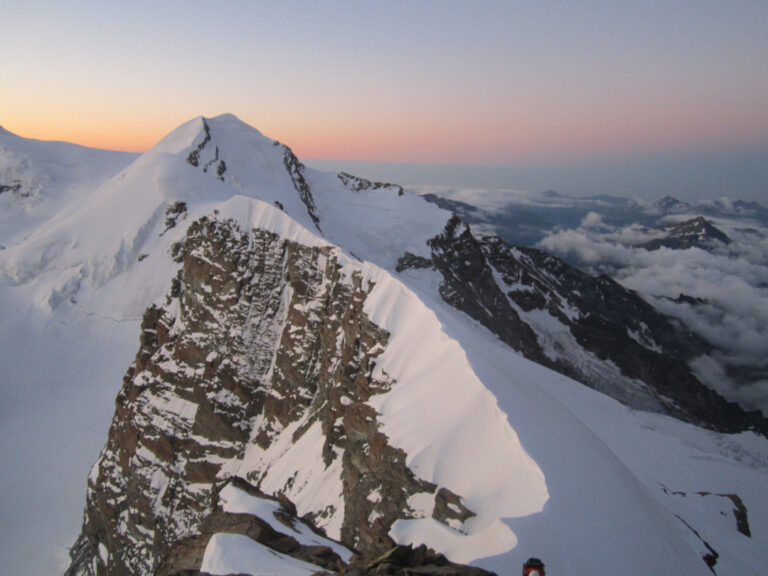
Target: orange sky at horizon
x,y
480,139
470,83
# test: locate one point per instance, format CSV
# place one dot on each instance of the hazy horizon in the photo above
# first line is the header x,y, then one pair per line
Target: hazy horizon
x,y
687,177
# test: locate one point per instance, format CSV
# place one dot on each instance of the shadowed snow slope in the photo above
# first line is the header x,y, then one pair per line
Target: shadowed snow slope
x,y
549,467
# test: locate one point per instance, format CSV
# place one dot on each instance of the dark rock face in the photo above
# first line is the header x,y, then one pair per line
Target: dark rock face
x,y
738,509
589,328
260,341
407,561
296,170
174,211
194,157
13,187
357,184
698,232
187,555
469,285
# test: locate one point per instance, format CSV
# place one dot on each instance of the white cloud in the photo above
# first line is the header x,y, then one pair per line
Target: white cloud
x,y
593,220
733,282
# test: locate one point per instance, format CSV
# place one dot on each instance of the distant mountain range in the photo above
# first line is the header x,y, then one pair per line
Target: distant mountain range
x,y
525,219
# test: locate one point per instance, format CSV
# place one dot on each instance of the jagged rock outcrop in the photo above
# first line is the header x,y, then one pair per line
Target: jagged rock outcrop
x,y
357,184
13,187
194,156
469,285
262,345
407,561
589,328
296,170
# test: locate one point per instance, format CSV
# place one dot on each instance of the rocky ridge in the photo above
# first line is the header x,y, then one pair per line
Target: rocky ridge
x,y
261,345
589,328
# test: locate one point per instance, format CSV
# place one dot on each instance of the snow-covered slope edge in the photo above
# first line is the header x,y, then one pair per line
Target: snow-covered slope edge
x,y
616,475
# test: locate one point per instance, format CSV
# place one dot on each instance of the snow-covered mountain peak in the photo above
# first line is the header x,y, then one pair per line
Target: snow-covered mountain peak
x,y
228,150
227,128
116,229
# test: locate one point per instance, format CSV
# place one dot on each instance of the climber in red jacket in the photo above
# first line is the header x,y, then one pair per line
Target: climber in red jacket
x,y
533,567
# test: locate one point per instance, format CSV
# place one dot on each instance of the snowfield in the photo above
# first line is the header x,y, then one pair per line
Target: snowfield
x,y
551,468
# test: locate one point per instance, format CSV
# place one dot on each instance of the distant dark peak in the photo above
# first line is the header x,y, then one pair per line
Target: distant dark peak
x,y
700,227
456,227
503,287
551,194
686,299
462,208
670,204
696,232
751,232
469,284
753,205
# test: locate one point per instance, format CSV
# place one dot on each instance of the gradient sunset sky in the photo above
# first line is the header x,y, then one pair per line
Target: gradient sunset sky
x,y
546,84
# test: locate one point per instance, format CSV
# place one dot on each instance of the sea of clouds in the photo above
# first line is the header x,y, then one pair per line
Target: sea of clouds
x,y
728,282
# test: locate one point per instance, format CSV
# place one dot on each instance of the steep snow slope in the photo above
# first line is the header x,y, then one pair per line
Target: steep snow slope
x,y
585,483
38,178
58,382
613,472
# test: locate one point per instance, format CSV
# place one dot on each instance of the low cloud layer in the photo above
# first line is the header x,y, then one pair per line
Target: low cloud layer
x,y
730,284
